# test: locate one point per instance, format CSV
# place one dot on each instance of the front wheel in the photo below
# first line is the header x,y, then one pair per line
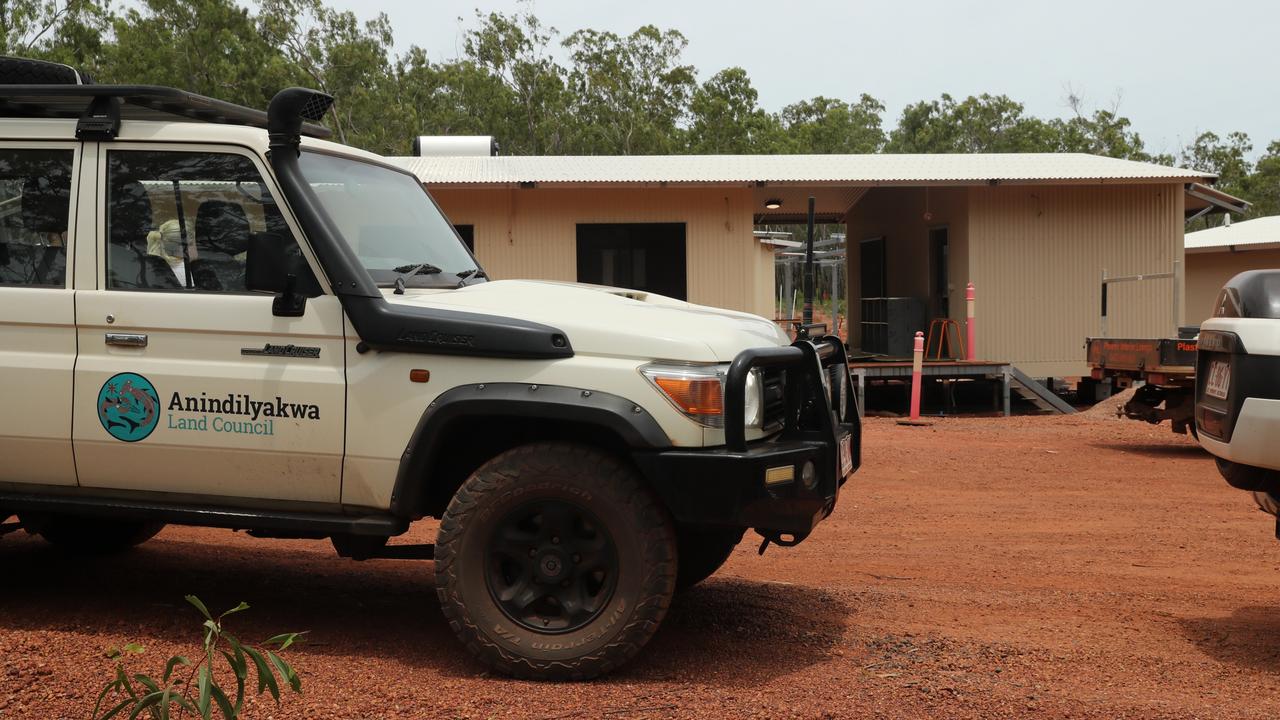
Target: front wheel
x,y
554,562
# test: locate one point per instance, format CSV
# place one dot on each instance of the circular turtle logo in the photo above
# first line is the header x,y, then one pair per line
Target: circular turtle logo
x,y
128,407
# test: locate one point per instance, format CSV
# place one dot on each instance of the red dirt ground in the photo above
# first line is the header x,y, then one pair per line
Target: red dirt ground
x,y
1056,567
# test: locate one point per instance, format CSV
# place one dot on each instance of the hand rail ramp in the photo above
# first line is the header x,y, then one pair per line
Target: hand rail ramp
x,y
1037,394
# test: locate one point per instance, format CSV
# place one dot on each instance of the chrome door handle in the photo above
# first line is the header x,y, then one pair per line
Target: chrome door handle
x,y
127,339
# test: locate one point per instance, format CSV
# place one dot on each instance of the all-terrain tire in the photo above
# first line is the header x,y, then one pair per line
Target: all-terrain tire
x,y
579,477
702,551
89,535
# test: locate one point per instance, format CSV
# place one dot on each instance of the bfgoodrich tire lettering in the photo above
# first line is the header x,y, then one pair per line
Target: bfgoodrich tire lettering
x,y
605,488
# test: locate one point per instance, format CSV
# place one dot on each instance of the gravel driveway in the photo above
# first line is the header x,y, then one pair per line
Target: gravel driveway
x,y
984,567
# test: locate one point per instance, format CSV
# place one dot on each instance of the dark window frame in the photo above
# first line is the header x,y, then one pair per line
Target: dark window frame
x,y
307,285
622,230
69,173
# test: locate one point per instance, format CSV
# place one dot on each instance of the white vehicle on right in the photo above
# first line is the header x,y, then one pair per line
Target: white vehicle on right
x,y
1238,386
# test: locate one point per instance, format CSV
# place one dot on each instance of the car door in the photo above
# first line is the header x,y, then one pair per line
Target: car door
x,y
37,312
186,382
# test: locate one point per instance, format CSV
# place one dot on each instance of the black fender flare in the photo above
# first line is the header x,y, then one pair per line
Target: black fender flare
x,y
629,421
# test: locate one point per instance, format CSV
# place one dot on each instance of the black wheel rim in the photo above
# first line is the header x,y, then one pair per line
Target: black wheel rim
x,y
551,566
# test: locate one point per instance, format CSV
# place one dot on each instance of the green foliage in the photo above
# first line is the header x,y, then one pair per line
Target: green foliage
x,y
824,125
726,119
193,687
1228,158
608,94
629,94
982,124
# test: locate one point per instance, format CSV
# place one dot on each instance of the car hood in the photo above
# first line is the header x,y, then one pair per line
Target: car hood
x,y
602,320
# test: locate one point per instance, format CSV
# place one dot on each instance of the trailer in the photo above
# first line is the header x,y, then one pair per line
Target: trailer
x,y
1164,369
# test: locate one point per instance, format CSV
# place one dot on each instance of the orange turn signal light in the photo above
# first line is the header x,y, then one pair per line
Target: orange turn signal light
x,y
695,396
419,375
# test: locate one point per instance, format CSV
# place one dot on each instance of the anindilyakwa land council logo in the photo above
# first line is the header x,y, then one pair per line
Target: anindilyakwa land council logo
x,y
128,407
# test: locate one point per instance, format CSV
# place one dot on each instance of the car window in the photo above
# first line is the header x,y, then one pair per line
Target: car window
x,y
35,212
184,221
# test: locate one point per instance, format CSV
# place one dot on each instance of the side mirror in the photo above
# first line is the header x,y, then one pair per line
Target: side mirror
x,y
290,302
267,269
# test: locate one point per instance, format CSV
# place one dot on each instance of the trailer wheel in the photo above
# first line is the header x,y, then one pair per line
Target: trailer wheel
x,y
554,562
702,551
91,535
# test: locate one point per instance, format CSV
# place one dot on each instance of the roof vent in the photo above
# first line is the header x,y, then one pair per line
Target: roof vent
x,y
455,146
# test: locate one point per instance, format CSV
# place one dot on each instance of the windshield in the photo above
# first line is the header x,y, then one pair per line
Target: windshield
x,y
390,222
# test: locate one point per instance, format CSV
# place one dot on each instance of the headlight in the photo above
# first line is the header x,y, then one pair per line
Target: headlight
x,y
698,392
754,403
839,387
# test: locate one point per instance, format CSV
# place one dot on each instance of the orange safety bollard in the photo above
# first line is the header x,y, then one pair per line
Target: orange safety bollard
x,y
917,363
968,323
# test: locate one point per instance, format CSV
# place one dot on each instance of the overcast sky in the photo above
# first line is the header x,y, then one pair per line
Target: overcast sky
x,y
1176,67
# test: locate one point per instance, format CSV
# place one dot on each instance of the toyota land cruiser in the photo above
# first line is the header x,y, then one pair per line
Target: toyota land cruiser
x,y
211,316
1238,386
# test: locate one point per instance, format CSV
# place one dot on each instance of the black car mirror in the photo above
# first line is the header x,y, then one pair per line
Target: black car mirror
x,y
267,269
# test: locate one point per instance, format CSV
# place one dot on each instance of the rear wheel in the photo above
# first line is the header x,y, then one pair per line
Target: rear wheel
x,y
91,535
702,551
553,561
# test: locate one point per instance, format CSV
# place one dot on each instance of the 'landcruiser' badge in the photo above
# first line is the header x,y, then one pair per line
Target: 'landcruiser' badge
x,y
128,407
295,351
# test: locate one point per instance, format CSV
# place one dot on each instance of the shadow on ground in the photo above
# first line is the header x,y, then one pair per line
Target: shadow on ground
x,y
1250,637
379,609
1188,449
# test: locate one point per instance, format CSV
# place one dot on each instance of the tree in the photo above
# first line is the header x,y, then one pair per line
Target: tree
x,y
1104,132
727,119
1262,187
628,94
981,124
1227,158
825,125
65,31
513,51
345,58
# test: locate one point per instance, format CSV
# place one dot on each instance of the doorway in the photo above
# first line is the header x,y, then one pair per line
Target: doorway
x,y
871,268
940,272
639,256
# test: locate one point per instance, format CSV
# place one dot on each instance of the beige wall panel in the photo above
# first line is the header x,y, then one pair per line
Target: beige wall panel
x,y
1208,272
531,233
765,285
1037,254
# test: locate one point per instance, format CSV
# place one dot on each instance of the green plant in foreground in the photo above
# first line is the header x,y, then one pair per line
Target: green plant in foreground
x,y
188,687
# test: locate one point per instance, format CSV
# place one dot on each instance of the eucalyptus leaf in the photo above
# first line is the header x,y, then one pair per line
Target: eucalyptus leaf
x,y
229,712
242,606
199,606
286,672
174,662
203,682
266,678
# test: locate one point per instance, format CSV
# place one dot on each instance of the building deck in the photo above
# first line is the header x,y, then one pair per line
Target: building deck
x,y
900,369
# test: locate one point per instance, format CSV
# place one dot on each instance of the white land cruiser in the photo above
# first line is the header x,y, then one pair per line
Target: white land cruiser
x,y
210,316
1238,386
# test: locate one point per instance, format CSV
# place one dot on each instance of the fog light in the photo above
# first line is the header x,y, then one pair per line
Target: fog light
x,y
809,475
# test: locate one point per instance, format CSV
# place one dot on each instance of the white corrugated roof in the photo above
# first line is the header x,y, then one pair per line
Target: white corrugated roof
x,y
810,169
1259,231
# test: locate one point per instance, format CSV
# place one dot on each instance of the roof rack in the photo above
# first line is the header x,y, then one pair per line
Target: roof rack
x,y
101,107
